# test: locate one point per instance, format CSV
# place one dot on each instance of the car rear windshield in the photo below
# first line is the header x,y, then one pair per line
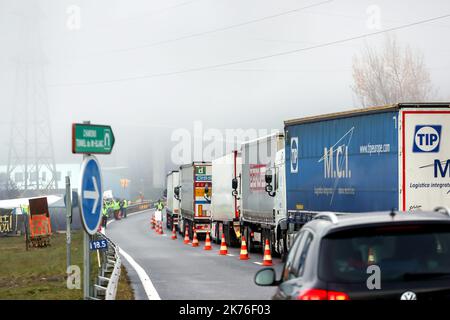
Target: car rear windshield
x,y
402,252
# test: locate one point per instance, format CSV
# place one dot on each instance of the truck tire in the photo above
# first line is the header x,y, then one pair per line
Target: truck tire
x,y
226,230
168,221
219,233
190,231
216,233
250,243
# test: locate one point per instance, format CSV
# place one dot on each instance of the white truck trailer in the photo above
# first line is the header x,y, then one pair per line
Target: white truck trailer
x,y
263,207
173,204
225,201
194,193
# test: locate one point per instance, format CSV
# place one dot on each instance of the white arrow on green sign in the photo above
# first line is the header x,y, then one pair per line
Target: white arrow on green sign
x,y
92,138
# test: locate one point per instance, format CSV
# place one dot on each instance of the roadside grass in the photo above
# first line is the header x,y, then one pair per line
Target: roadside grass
x,y
40,273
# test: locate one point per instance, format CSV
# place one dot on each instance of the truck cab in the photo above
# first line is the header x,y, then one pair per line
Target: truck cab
x,y
275,179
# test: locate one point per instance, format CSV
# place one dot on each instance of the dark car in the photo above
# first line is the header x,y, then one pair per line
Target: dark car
x,y
360,256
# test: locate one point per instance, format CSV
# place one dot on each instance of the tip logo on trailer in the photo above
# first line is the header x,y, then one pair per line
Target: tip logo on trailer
x,y
427,138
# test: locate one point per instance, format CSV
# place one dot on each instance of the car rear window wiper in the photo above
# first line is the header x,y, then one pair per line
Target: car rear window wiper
x,y
425,275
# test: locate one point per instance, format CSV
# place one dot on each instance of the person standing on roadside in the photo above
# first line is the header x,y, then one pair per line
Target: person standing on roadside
x,y
105,214
124,207
116,208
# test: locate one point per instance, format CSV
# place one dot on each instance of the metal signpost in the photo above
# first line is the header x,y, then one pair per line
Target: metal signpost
x,y
68,219
88,139
91,203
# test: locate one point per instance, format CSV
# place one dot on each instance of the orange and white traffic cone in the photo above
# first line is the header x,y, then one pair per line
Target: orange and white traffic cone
x,y
195,240
152,222
161,228
174,233
186,236
207,242
244,253
223,246
267,260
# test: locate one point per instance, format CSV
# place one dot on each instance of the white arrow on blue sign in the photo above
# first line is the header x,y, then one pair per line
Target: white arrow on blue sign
x,y
91,195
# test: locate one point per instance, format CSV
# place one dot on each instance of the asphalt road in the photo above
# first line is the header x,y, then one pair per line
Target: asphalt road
x,y
179,271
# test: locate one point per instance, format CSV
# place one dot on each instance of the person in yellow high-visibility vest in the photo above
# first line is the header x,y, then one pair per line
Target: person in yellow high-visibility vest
x,y
105,214
25,209
124,207
116,208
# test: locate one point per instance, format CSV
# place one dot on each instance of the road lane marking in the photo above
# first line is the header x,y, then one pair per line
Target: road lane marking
x,y
230,255
149,288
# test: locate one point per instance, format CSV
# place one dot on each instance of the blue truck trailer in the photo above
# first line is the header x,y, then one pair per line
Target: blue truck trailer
x,y
393,157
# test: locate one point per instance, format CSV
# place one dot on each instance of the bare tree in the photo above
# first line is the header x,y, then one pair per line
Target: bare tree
x,y
393,74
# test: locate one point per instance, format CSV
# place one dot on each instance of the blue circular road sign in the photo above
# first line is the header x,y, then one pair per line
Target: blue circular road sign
x,y
91,194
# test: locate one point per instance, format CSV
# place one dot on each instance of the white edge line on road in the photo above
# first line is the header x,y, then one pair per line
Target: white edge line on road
x,y
149,288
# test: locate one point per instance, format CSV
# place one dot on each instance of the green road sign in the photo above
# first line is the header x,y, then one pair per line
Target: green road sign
x,y
92,138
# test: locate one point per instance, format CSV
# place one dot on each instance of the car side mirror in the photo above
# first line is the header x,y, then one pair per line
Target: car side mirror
x,y
234,184
266,277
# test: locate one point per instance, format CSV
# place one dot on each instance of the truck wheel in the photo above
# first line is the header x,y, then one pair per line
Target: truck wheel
x,y
250,244
216,233
227,232
190,231
180,227
219,234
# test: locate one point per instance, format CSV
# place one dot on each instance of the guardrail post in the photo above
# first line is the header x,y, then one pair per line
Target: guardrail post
x,y
109,273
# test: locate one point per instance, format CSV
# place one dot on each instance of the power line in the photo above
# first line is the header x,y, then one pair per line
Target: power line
x,y
233,26
162,10
264,57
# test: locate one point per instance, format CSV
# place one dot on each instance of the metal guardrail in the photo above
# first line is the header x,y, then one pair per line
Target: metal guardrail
x,y
140,206
109,274
107,281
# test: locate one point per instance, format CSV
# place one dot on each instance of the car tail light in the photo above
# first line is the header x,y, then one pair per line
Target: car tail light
x,y
319,294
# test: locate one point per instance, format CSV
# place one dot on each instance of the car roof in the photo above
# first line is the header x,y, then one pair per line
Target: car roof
x,y
328,222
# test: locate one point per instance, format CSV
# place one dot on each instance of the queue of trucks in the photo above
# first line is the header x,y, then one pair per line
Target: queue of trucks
x,y
394,157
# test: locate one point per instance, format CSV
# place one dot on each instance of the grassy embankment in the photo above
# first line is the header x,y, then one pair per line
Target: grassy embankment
x,y
40,273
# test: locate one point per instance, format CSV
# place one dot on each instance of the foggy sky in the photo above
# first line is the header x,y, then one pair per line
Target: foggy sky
x,y
113,70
